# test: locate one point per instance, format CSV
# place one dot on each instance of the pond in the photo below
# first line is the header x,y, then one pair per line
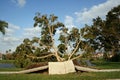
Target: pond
x,y
7,65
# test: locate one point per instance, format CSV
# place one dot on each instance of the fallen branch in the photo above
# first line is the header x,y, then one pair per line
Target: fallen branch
x,y
80,55
25,71
95,70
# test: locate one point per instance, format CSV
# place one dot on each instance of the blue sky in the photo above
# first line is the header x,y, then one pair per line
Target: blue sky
x,y
73,13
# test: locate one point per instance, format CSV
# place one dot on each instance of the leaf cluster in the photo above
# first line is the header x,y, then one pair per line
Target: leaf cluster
x,y
3,25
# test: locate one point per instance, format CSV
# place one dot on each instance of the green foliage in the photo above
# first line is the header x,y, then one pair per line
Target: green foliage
x,y
69,38
27,48
62,38
115,58
3,25
6,61
104,34
74,34
48,25
22,62
20,54
105,56
62,48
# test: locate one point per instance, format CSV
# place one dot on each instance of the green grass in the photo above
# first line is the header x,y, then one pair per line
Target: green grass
x,y
74,76
107,65
10,69
6,61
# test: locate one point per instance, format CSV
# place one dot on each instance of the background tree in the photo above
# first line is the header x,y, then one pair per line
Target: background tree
x,y
20,54
8,55
113,25
3,25
104,35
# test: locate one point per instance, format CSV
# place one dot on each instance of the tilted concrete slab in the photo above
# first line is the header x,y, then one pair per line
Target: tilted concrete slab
x,y
61,67
69,66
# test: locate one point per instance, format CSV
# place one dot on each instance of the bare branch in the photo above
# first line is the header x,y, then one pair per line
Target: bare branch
x,y
74,50
56,54
80,55
43,44
40,57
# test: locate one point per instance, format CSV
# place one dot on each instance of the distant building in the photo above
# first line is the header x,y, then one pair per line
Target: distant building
x,y
98,55
0,56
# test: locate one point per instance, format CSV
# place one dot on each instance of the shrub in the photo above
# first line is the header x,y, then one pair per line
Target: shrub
x,y
22,62
115,58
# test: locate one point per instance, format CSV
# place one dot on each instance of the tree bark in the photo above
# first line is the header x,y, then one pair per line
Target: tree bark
x,y
74,51
40,57
53,46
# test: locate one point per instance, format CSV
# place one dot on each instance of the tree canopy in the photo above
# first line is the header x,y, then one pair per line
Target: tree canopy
x,y
104,34
66,47
3,25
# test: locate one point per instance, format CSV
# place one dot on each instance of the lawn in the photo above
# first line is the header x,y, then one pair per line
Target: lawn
x,y
6,61
10,69
73,76
106,65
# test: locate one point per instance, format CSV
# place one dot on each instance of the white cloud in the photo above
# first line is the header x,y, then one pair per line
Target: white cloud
x,y
98,10
12,26
32,32
10,40
11,29
69,22
20,3
9,43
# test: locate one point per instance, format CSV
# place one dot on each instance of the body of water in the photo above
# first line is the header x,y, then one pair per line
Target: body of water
x,y
7,65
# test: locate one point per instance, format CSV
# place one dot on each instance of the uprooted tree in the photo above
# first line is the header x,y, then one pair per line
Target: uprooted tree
x,y
69,40
55,41
70,43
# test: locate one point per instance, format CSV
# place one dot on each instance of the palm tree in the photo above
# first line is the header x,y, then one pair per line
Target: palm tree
x,y
3,25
